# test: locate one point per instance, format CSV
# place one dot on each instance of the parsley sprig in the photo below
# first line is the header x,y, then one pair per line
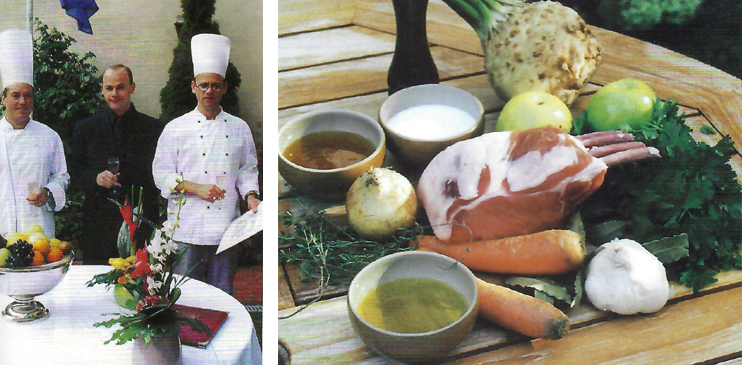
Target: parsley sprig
x,y
692,189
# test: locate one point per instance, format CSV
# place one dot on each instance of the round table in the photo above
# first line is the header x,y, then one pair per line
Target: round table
x,y
68,336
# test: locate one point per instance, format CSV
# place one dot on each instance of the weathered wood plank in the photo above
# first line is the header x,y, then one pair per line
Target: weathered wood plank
x,y
324,330
444,26
688,332
333,45
285,299
359,77
306,15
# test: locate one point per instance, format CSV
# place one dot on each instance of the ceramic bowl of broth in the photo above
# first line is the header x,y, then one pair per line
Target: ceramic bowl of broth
x,y
413,306
322,153
421,121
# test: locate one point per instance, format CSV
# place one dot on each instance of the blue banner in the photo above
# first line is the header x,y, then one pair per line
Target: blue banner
x,y
81,10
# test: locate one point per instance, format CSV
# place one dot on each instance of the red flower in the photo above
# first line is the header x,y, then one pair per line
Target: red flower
x,y
151,301
141,266
126,213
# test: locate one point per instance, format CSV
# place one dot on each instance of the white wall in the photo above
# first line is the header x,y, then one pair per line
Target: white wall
x,y
141,34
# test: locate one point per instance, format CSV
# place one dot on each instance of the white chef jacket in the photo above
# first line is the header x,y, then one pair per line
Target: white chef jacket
x,y
201,150
33,154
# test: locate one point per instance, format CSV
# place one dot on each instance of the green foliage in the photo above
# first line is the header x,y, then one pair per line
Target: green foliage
x,y
176,98
690,190
646,14
66,85
333,254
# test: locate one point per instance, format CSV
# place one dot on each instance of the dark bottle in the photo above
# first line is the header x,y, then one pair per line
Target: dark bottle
x,y
412,63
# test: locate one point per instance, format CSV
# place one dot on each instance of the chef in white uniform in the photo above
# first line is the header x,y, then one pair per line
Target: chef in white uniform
x,y
33,171
210,155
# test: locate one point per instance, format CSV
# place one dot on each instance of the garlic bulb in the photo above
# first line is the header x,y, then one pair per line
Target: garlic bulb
x,y
625,278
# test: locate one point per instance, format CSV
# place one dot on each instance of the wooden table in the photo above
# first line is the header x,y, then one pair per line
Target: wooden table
x,y
336,55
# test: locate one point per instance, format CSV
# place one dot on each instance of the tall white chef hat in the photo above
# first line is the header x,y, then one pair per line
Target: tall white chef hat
x,y
16,57
210,53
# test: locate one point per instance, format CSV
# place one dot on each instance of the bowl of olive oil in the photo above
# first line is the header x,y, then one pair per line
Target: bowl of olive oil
x,y
413,306
323,152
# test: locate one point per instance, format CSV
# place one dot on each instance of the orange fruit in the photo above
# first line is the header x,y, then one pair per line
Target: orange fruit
x,y
41,246
54,255
38,259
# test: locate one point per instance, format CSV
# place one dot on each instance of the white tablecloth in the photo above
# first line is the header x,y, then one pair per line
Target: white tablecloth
x,y
67,336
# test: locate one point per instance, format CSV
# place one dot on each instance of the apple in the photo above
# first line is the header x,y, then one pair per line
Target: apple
x,y
622,104
4,254
65,247
533,109
54,242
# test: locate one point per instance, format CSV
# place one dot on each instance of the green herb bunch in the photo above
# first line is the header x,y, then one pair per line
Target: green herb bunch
x,y
333,254
692,189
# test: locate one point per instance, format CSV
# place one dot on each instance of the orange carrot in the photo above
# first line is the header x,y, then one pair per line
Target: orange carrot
x,y
521,313
547,252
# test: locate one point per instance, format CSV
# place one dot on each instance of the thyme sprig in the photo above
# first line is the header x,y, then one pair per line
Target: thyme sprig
x,y
331,252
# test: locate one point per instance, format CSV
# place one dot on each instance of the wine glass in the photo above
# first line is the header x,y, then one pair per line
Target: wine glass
x,y
33,188
113,167
221,181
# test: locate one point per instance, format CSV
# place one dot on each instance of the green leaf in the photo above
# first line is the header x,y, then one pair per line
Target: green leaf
x,y
669,249
578,287
607,231
576,225
543,296
545,286
707,130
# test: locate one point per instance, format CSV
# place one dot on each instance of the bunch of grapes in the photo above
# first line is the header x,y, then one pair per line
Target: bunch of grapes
x,y
21,254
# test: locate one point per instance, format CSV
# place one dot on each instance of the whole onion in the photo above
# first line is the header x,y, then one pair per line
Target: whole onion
x,y
379,202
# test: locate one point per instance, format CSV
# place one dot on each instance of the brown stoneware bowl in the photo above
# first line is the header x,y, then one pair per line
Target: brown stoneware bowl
x,y
329,184
413,347
412,148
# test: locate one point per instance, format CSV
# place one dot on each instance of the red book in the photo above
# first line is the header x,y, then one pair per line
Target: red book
x,y
211,318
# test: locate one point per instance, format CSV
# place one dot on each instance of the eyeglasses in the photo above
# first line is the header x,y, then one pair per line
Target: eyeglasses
x,y
205,87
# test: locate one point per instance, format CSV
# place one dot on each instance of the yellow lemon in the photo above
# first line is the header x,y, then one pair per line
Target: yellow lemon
x,y
15,237
37,237
33,229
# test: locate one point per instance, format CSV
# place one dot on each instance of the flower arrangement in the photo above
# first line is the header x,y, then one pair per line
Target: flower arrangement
x,y
149,278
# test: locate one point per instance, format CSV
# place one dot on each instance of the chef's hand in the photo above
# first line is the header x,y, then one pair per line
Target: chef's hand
x,y
39,198
252,203
107,180
208,192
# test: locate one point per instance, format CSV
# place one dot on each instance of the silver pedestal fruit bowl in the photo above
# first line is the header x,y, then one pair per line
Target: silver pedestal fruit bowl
x,y
25,283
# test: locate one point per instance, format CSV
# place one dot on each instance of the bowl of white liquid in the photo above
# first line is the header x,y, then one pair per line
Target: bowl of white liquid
x,y
423,120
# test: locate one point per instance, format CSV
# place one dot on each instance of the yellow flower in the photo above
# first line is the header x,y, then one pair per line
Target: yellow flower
x,y
118,263
131,260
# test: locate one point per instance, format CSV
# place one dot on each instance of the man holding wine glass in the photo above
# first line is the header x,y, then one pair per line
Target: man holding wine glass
x,y
33,169
112,154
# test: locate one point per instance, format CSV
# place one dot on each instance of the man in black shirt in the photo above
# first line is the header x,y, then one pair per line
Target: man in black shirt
x,y
118,133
